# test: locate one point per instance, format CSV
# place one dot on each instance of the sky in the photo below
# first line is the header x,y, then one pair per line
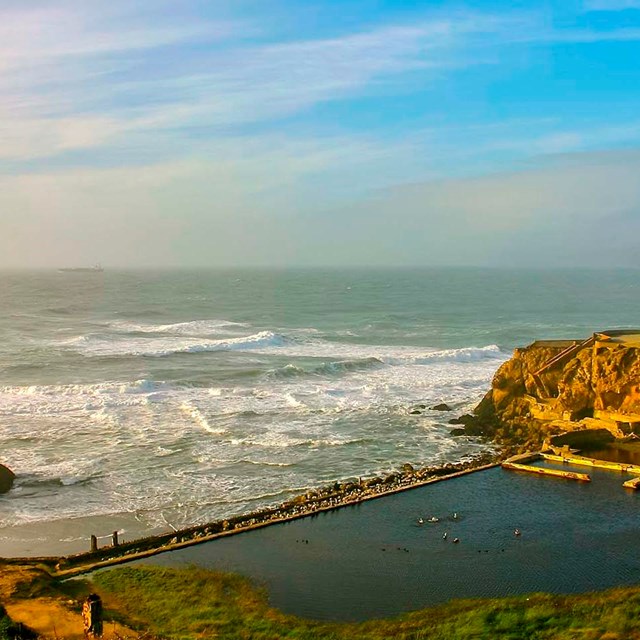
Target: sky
x,y
207,133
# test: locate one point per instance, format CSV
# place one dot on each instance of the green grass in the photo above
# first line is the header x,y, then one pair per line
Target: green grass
x,y
195,603
5,624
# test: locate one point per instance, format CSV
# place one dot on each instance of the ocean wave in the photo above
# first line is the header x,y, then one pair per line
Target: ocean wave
x,y
340,357
258,499
264,463
400,356
32,481
345,366
100,345
326,368
61,311
282,441
199,418
288,371
462,355
142,386
163,452
188,328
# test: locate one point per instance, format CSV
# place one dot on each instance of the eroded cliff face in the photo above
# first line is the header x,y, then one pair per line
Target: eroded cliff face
x,y
556,386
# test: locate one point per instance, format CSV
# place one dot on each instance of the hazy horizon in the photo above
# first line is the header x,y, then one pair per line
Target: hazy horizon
x,y
351,134
317,268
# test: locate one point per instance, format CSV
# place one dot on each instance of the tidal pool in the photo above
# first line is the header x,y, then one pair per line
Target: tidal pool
x,y
375,560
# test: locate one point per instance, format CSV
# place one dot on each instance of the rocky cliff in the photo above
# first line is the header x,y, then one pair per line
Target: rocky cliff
x,y
556,386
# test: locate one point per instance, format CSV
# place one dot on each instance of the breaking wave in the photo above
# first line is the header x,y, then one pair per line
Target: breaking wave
x,y
465,354
293,406
327,368
142,386
199,418
189,328
98,345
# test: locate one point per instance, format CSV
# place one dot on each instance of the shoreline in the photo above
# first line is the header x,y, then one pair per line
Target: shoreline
x,y
167,578
312,502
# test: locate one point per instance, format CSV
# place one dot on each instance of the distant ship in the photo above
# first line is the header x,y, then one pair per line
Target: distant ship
x,y
97,268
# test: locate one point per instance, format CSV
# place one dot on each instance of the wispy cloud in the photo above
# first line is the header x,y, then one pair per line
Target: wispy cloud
x,y
585,36
272,81
75,78
38,32
106,79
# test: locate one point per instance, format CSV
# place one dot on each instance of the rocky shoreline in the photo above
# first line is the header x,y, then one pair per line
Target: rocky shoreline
x,y
314,501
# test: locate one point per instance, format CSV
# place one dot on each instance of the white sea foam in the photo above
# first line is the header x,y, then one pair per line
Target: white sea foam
x,y
151,447
465,354
192,338
135,387
199,418
164,451
189,328
264,463
99,345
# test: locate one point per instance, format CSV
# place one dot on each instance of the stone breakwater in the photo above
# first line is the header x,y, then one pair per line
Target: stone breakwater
x,y
334,496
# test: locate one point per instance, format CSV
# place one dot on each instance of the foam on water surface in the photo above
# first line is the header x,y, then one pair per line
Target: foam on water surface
x,y
186,449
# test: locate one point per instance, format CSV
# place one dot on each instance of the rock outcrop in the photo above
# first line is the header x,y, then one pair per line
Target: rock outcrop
x,y
555,386
6,478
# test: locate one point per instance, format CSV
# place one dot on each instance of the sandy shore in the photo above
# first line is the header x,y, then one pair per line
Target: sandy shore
x,y
69,536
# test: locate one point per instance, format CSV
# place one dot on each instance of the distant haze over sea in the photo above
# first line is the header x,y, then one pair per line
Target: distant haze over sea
x,y
175,397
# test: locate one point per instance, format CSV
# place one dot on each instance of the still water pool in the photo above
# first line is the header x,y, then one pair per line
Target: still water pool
x,y
375,560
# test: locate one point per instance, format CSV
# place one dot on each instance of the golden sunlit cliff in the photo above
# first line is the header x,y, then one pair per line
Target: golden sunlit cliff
x,y
554,386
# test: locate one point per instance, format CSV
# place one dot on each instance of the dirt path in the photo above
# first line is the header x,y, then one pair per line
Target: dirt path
x,y
30,596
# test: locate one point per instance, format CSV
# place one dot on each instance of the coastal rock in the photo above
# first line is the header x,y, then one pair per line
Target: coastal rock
x,y
464,419
416,409
6,478
554,386
456,433
440,407
472,426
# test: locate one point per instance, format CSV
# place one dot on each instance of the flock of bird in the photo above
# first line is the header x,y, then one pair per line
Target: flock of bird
x,y
445,535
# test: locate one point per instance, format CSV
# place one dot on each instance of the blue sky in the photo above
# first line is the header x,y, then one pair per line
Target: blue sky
x,y
287,133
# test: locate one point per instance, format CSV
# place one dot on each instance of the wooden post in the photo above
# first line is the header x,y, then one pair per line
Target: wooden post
x,y
114,538
94,544
92,616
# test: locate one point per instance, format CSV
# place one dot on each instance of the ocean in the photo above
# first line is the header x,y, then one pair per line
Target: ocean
x,y
150,400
